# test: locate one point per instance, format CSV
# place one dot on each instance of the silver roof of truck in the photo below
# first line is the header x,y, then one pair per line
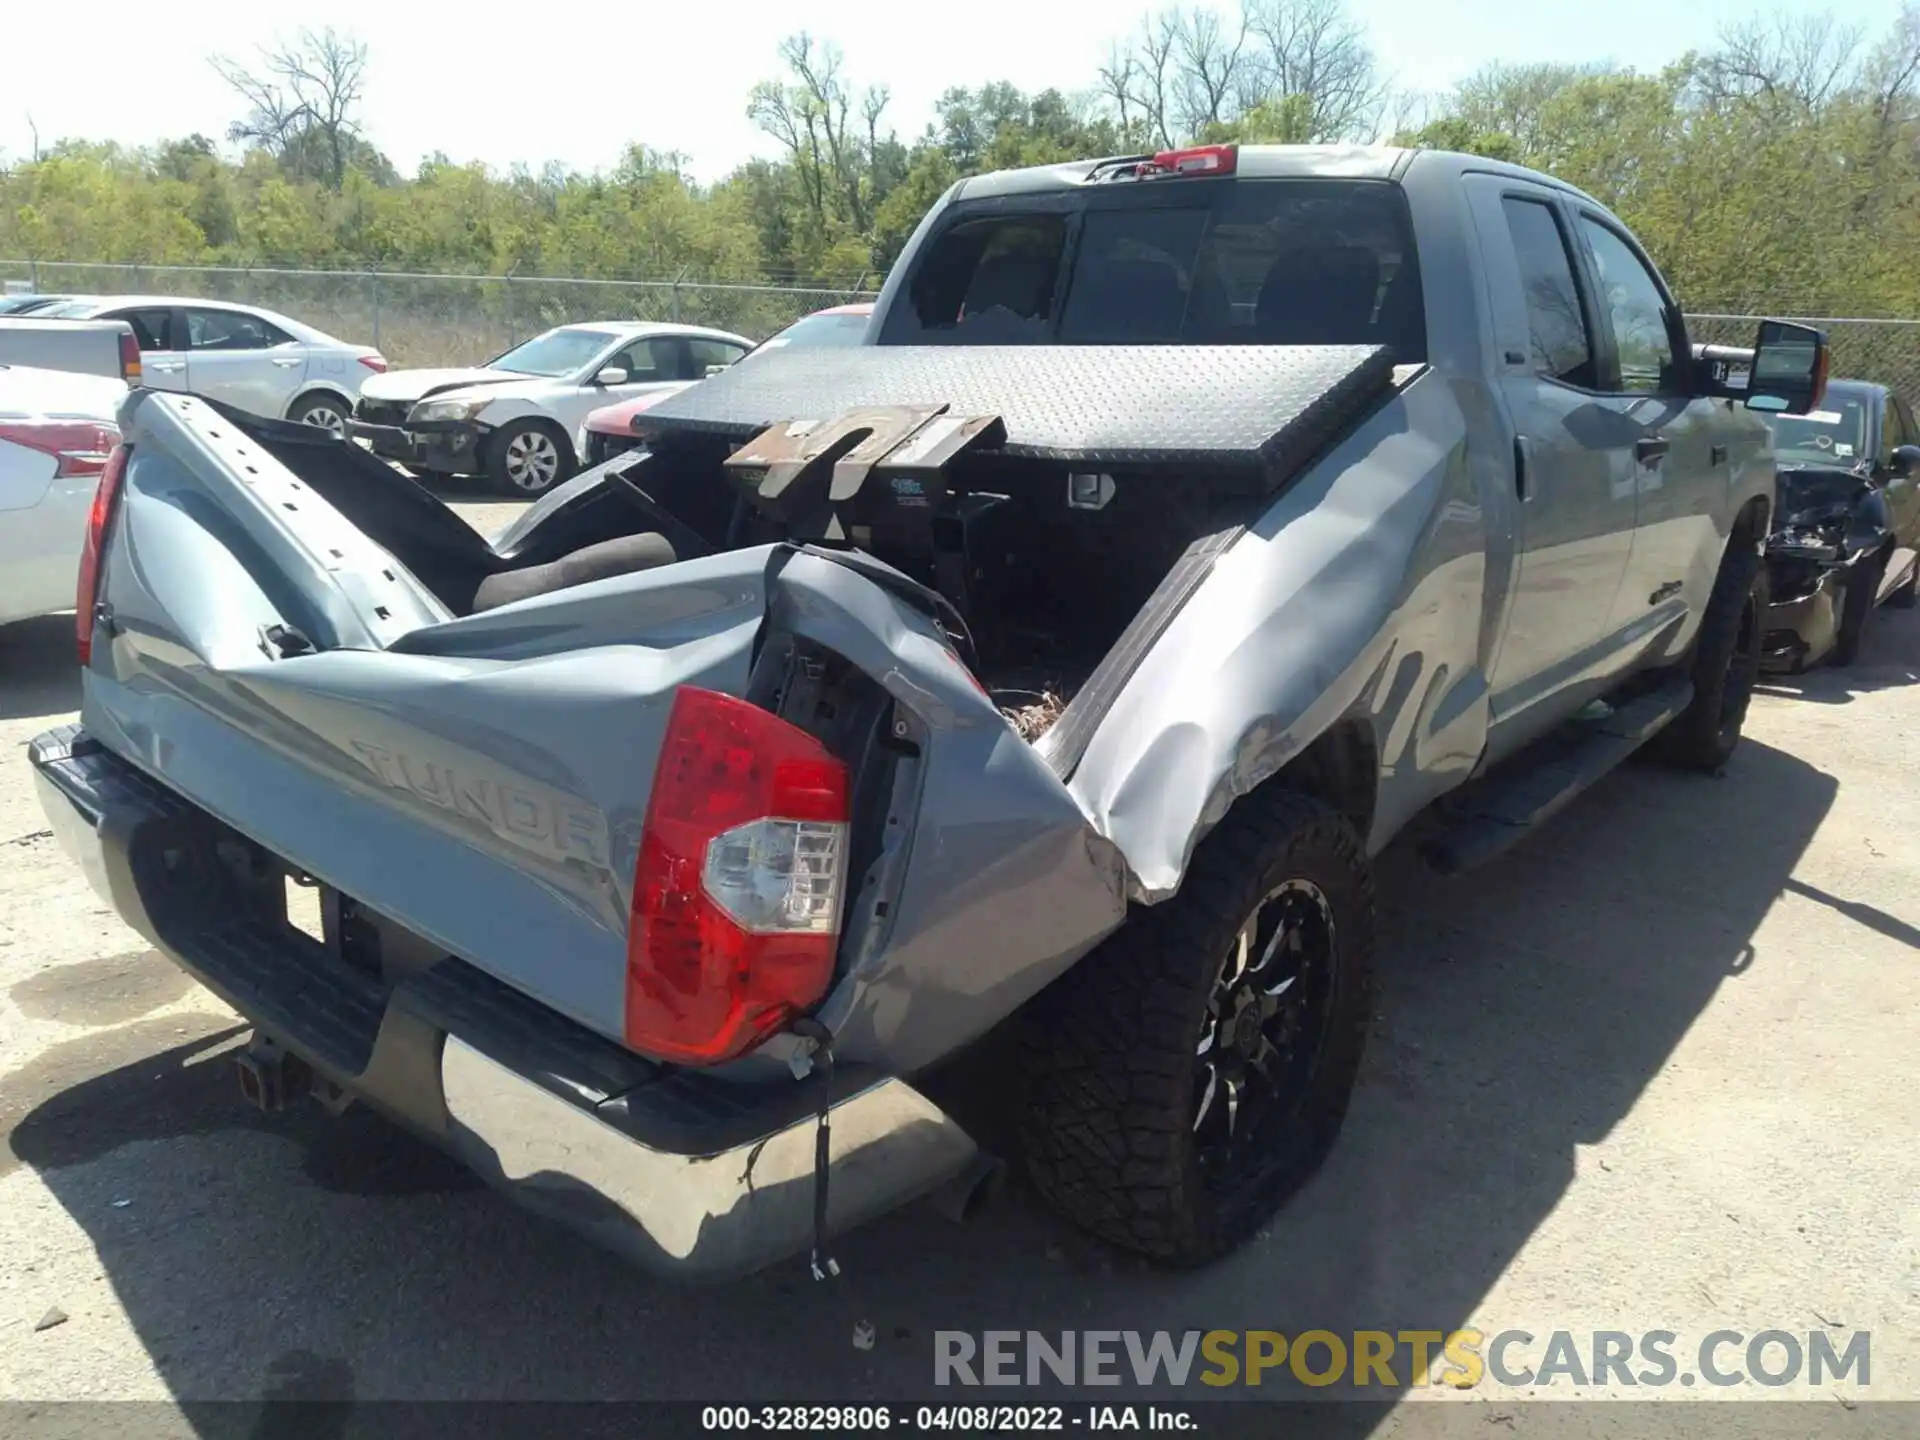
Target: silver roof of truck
x,y
1274,162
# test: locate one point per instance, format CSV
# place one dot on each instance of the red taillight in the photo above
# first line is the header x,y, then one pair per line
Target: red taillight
x,y
129,358
105,496
736,898
375,363
1196,160
78,447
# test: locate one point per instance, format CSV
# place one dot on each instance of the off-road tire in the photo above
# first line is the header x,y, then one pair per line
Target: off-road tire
x,y
500,449
1856,608
1107,1054
1726,664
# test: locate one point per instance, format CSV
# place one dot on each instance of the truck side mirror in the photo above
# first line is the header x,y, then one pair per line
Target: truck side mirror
x,y
1789,372
1904,461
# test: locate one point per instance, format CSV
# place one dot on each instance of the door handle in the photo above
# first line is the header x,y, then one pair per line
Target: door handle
x,y
169,366
1520,467
1719,456
288,364
1652,449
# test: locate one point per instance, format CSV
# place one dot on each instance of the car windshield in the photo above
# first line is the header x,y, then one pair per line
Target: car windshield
x,y
556,353
1837,432
1243,262
815,330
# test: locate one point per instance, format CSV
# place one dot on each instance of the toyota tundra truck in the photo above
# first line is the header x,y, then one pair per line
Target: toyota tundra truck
x,y
1050,667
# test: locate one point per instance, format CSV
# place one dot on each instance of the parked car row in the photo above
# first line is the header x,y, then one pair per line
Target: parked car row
x,y
527,420
254,359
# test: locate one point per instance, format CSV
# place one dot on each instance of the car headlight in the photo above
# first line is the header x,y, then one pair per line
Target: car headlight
x,y
432,410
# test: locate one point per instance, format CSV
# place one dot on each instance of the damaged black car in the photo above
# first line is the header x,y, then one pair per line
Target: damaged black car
x,y
1847,524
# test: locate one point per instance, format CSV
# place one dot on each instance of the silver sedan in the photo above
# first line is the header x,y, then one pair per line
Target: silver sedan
x,y
255,360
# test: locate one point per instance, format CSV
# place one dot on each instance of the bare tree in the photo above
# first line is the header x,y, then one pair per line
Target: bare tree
x,y
1315,49
812,120
302,101
1802,61
1208,54
1515,100
1117,89
1188,71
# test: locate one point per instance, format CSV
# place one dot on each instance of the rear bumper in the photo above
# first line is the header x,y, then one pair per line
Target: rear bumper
x,y
684,1174
453,449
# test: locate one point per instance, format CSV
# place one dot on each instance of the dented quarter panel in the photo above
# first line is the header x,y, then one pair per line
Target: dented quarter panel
x,y
1358,594
1008,883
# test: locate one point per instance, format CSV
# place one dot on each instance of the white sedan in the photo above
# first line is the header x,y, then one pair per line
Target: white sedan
x,y
520,419
255,360
56,431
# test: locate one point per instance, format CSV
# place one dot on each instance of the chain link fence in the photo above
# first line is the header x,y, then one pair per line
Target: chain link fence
x,y
417,319
420,319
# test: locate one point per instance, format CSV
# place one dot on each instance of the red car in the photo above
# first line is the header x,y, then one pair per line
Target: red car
x,y
610,428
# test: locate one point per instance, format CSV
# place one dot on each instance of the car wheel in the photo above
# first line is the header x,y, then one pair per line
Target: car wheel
x,y
323,412
1726,664
1856,607
1191,1074
527,458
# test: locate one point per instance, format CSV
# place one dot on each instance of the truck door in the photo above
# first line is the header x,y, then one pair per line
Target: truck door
x,y
1676,451
1574,510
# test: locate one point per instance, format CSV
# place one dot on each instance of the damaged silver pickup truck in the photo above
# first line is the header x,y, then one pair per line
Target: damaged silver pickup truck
x,y
1053,664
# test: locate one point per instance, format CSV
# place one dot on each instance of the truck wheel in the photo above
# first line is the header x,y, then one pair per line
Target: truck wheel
x,y
1726,664
1190,1074
528,458
1856,608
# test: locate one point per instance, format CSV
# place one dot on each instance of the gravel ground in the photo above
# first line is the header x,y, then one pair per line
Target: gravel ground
x,y
1653,1070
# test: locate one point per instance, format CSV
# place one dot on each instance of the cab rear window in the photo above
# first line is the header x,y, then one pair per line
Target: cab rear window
x,y
1247,262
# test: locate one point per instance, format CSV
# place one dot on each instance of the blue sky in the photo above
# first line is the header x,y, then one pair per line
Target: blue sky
x,y
512,83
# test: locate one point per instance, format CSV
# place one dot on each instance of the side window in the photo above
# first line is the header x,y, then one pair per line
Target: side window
x,y
646,361
1895,427
153,329
1631,300
1912,435
232,330
1559,345
702,353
